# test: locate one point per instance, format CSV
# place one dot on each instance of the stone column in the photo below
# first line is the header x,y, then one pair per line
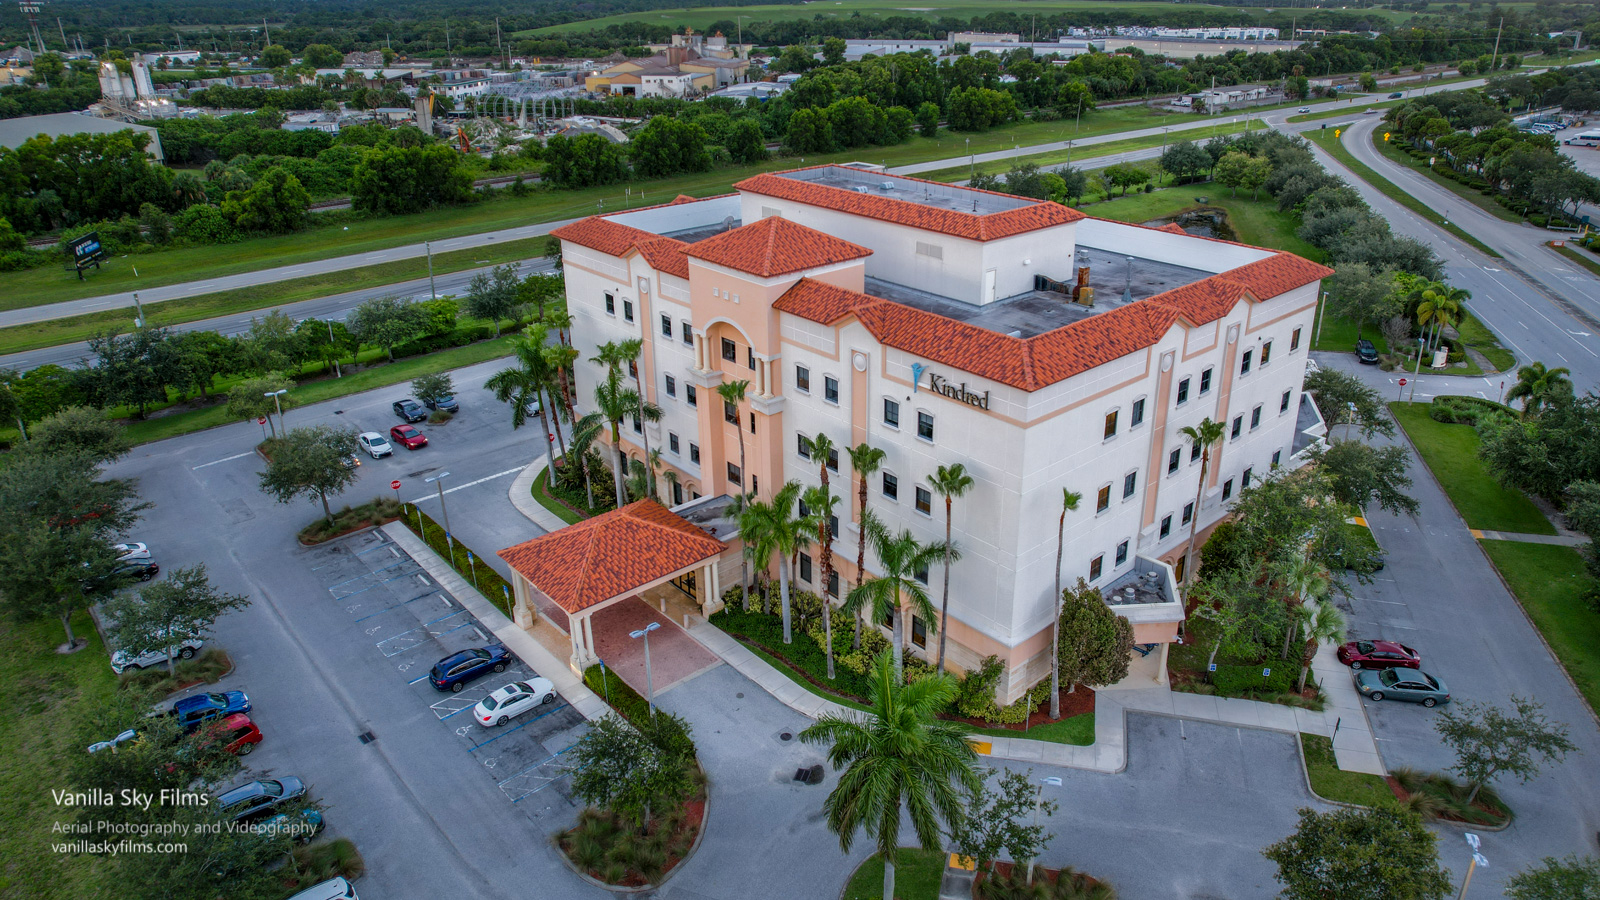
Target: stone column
x,y
766,378
700,352
761,378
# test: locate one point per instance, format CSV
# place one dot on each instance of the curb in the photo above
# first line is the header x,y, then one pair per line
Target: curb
x,y
699,838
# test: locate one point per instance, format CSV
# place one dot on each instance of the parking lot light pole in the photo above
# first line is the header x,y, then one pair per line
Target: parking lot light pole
x,y
437,482
649,683
275,395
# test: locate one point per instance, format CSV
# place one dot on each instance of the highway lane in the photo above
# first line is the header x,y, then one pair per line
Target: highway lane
x,y
333,306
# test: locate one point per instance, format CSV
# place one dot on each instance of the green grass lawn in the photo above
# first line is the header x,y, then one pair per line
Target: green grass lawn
x,y
1397,154
1258,222
1581,257
541,493
1451,452
1329,782
1339,334
44,695
1477,335
1550,581
1328,142
917,875
1082,157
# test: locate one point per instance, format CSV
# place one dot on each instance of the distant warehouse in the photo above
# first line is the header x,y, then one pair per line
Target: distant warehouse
x,y
13,132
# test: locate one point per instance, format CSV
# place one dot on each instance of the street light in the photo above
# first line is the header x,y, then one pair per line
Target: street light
x,y
138,316
649,684
275,395
437,482
1320,310
1038,799
428,246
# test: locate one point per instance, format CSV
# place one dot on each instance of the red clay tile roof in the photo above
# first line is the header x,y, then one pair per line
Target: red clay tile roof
x,y
987,227
1172,228
610,238
611,554
1277,274
665,254
775,246
1206,300
681,198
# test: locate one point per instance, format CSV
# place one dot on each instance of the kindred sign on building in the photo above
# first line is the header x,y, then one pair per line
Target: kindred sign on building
x,y
940,385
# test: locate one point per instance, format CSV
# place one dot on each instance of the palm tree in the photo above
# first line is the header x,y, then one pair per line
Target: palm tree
x,y
1441,305
613,402
1321,625
525,383
560,358
630,350
948,482
733,392
864,460
738,510
1069,503
584,432
776,528
821,502
1537,385
1203,436
558,318
1308,583
898,758
902,557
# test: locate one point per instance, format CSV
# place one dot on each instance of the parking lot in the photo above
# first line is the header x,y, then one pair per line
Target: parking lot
x,y
406,623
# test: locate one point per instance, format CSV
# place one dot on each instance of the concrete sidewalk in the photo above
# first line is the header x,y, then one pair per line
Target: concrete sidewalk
x,y
521,493
1560,540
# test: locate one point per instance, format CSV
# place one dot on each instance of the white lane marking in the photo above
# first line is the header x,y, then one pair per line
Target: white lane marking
x,y
462,487
223,460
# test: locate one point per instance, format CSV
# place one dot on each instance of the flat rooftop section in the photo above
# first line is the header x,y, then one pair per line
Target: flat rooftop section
x,y
909,190
701,232
701,218
13,132
1145,594
1038,311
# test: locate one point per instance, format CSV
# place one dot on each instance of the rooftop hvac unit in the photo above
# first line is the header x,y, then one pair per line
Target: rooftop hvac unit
x,y
887,185
862,189
1085,296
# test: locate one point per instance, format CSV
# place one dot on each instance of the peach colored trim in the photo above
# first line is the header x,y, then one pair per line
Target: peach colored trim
x,y
1158,424
1230,365
1273,321
575,265
1219,325
860,402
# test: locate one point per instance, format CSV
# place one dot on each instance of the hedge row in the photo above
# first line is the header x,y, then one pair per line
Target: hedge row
x,y
1461,410
666,730
488,581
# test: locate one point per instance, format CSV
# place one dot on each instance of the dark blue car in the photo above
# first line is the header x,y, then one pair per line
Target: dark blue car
x,y
454,671
192,711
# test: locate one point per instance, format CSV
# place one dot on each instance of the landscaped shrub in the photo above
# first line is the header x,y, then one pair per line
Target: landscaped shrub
x,y
479,573
1236,680
1461,410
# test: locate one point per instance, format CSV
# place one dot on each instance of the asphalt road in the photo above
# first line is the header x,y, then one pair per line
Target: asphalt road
x,y
334,306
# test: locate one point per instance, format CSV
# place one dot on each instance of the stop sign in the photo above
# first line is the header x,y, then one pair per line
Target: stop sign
x,y
395,484
1402,382
261,420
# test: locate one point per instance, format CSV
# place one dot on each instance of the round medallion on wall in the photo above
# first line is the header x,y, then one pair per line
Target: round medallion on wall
x,y
1233,333
859,361
1166,362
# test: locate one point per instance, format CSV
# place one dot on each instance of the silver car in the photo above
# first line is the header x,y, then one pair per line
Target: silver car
x,y
122,660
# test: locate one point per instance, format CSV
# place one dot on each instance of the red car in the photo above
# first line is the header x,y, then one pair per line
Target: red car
x,y
1379,655
409,436
239,733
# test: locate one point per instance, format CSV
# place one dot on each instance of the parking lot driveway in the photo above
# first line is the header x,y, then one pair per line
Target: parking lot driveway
x,y
765,836
674,655
1188,818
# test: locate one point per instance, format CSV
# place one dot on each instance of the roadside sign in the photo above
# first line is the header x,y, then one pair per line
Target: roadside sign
x,y
1402,382
395,484
261,420
1266,673
1386,135
1338,131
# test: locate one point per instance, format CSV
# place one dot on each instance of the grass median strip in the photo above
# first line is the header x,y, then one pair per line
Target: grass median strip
x,y
1328,142
1332,783
1080,154
1552,585
1587,260
1451,452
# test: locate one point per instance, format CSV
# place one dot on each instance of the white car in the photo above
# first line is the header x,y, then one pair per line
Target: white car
x,y
122,660
512,700
1305,109
131,551
333,889
375,444
1311,366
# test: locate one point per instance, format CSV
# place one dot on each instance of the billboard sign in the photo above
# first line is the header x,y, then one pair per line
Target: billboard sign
x,y
86,251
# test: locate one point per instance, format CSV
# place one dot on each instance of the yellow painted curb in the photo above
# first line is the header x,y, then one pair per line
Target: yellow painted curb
x,y
963,862
982,748
1476,533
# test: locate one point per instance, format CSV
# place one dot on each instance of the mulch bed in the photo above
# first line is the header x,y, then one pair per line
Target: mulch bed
x,y
694,821
1043,875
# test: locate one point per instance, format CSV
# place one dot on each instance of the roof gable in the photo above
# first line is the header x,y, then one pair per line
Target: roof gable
x,y
775,246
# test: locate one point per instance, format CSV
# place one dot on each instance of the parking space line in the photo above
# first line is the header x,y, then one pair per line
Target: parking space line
x,y
497,737
368,574
381,545
223,460
421,634
402,603
416,571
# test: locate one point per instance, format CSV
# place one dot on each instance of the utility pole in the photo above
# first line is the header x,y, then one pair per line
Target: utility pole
x,y
1496,53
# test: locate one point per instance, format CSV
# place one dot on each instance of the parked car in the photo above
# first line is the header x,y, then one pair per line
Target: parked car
x,y
447,403
1366,352
410,410
454,671
133,550
375,444
123,660
1371,111
191,711
1379,655
332,889
351,462
513,700
301,826
259,799
1414,685
408,437
240,733
1397,95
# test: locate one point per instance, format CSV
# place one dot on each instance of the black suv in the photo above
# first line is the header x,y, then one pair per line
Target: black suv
x,y
410,410
447,403
1366,352
259,799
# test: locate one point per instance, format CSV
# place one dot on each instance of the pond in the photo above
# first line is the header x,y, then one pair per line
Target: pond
x,y
1203,221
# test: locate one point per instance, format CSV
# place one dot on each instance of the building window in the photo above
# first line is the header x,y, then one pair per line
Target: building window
x,y
1266,353
1111,424
1130,482
730,413
925,426
729,351
833,584
1188,512
1166,526
1194,453
805,568
611,305
694,494
687,331
830,389
1183,392
1173,459
833,466
677,494
691,395
752,423
920,574
1205,381
891,413
1227,489
637,429
1255,418
919,632
924,501
1096,566
803,444
802,379
633,369
672,441
1238,426
694,453
1283,402
734,475
1244,362
1102,500
891,486
1122,553
1136,415
1244,480
1276,455
1294,341
750,358
627,310
666,326
672,386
